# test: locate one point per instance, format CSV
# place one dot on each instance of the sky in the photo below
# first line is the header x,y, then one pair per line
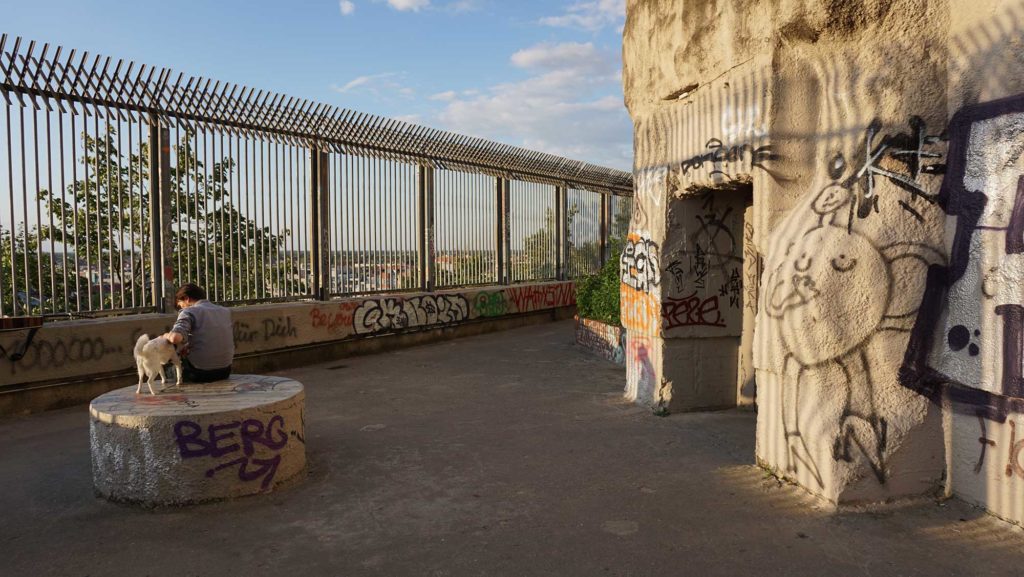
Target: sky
x,y
542,74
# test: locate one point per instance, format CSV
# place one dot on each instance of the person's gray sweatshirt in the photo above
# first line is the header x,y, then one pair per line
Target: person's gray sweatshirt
x,y
208,333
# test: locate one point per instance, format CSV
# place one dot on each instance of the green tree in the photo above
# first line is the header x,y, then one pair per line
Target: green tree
x,y
540,247
466,268
20,272
104,219
597,295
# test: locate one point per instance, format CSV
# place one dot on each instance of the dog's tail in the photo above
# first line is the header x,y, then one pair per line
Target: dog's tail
x,y
141,343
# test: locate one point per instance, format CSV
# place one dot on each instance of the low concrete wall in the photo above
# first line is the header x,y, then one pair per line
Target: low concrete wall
x,y
601,339
70,362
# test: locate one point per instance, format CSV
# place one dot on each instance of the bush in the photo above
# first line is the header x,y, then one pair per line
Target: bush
x,y
597,296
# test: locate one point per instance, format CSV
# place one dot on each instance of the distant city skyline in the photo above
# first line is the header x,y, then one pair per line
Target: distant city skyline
x,y
542,75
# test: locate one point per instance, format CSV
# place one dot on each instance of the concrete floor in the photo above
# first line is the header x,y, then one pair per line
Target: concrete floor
x,y
506,454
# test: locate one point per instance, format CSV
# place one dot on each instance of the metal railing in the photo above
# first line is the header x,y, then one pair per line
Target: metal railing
x,y
122,179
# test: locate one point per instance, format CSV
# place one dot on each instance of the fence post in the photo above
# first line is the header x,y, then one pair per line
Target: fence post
x,y
605,219
425,191
562,235
320,229
501,232
160,219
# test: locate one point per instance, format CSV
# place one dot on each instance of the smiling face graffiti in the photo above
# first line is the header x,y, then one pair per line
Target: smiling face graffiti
x,y
828,294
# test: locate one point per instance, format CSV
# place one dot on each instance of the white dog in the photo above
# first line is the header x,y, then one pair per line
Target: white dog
x,y
151,356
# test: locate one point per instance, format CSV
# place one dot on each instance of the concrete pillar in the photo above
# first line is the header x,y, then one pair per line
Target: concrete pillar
x,y
794,107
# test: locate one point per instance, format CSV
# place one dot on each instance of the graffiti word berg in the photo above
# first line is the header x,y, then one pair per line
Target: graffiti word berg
x,y
231,438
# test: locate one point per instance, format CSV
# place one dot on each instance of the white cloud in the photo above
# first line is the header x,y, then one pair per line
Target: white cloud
x,y
347,7
592,16
408,5
382,85
572,106
446,96
460,6
568,55
358,81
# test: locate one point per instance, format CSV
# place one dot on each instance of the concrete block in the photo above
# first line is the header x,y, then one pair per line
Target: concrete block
x,y
195,443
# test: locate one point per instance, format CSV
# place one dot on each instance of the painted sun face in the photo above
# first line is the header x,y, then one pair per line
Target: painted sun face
x,y
830,292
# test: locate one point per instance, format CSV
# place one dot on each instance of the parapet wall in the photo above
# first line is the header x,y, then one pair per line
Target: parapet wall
x,y
83,350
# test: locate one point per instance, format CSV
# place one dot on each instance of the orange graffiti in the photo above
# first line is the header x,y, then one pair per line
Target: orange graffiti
x,y
640,310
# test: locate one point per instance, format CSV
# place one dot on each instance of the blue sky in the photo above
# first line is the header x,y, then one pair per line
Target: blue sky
x,y
541,74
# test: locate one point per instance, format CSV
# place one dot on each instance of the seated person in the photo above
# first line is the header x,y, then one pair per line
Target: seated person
x,y
206,330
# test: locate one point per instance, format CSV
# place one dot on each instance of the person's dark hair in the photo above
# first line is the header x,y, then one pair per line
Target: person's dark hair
x,y
190,291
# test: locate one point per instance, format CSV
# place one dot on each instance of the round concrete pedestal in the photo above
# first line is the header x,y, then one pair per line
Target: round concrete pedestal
x,y
194,443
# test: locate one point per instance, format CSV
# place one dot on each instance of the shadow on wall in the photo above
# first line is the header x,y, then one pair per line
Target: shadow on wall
x,y
856,275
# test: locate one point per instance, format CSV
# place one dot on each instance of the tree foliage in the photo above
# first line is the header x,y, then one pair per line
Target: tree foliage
x,y
102,220
597,296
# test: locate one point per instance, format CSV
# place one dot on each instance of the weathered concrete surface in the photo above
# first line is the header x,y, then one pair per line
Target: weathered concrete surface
x,y
198,442
606,341
882,142
506,454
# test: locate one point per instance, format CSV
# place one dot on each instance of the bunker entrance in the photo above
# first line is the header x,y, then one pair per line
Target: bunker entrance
x,y
710,300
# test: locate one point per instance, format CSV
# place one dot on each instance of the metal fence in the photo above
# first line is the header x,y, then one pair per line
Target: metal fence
x,y
122,180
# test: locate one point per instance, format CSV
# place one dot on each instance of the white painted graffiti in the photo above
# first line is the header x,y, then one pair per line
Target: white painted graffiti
x,y
391,314
639,266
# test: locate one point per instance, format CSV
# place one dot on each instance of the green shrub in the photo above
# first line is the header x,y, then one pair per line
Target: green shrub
x,y
597,296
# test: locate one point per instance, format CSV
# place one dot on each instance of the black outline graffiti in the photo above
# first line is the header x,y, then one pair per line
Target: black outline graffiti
x,y
792,286
392,314
908,149
956,200
639,266
720,154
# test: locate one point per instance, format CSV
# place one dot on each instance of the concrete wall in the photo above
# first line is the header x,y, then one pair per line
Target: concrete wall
x,y
884,169
69,351
602,340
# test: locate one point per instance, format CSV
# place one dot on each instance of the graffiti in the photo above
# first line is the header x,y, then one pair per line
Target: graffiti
x,y
392,314
911,153
641,378
699,267
1014,449
650,189
714,236
228,439
985,444
535,297
831,291
333,320
675,268
258,384
977,298
752,268
691,311
277,327
606,341
491,304
719,154
639,310
638,265
711,223
732,289
43,353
